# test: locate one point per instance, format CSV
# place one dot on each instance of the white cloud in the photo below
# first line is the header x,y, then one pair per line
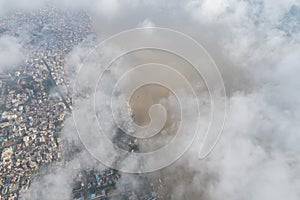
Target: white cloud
x,y
107,7
11,53
147,23
255,158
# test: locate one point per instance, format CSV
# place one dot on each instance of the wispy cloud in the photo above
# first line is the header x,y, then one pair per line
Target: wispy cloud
x,y
256,157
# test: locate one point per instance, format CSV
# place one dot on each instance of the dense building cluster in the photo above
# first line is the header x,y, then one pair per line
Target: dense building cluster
x,y
96,185
35,97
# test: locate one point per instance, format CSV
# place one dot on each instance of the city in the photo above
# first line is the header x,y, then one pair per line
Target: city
x,y
149,100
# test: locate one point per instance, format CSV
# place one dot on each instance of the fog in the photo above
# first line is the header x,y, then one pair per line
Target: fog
x,y
256,46
11,53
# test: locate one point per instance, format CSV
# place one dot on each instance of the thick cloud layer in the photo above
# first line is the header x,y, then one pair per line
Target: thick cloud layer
x,y
11,53
256,46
